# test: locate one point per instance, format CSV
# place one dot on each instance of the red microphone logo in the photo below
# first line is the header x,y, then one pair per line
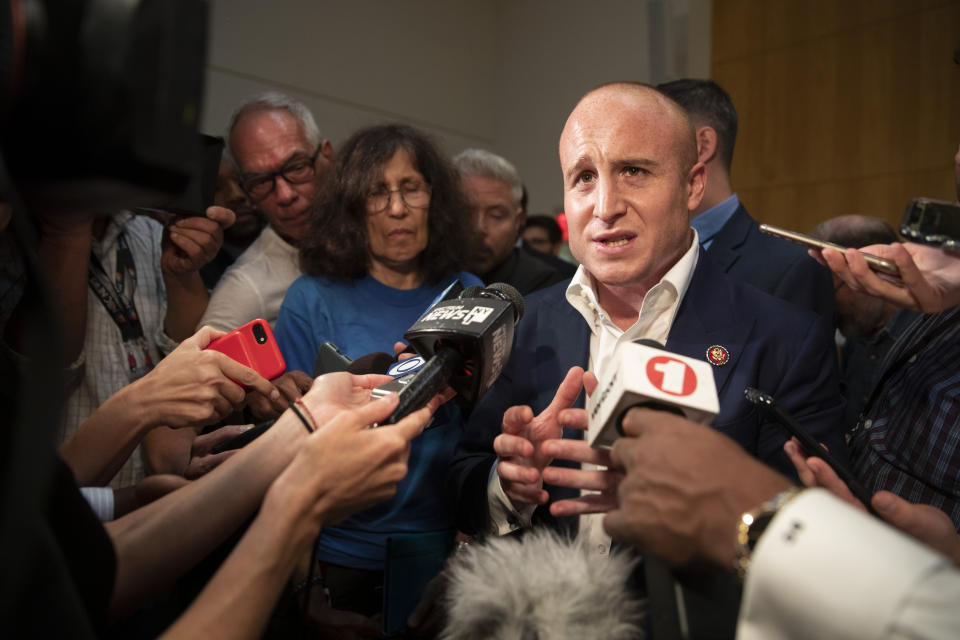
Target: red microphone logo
x,y
671,376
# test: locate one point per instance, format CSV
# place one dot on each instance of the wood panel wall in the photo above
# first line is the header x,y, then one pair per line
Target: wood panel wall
x,y
845,106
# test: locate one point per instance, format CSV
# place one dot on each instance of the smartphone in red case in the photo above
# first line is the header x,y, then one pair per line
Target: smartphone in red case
x,y
254,346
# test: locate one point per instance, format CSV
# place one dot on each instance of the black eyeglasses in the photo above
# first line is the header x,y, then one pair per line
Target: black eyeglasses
x,y
296,170
415,195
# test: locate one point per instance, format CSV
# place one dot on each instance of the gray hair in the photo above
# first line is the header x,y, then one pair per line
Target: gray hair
x,y
271,101
485,164
541,586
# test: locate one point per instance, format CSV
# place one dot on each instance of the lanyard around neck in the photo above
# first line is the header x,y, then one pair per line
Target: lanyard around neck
x,y
114,293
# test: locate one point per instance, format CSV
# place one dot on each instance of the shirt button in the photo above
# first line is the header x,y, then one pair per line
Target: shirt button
x,y
867,424
913,358
602,549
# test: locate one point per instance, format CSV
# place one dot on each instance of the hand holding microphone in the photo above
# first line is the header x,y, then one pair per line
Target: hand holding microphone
x,y
463,340
643,373
466,342
640,374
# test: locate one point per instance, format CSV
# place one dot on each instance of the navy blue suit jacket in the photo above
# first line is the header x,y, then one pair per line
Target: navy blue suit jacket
x,y
773,346
777,266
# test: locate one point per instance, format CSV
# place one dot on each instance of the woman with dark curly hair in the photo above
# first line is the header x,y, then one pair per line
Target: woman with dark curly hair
x,y
389,240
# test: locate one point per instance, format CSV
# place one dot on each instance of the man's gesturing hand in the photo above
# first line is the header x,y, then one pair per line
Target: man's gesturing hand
x,y
520,456
601,483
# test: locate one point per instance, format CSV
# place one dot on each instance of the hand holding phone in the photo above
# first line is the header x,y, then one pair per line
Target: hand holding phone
x,y
876,263
253,346
768,406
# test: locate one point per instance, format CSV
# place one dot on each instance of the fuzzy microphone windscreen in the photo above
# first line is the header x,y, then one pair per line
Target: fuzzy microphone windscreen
x,y
538,587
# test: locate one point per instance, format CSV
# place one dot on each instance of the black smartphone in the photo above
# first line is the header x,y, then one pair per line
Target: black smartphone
x,y
934,222
876,262
766,404
330,359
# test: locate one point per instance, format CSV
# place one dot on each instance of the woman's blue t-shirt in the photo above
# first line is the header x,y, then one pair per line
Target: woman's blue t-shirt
x,y
360,317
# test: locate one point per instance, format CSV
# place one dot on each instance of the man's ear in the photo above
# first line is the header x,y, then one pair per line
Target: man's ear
x,y
696,183
326,150
521,220
706,144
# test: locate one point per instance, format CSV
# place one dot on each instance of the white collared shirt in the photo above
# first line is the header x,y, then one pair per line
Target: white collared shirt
x,y
254,286
657,311
103,366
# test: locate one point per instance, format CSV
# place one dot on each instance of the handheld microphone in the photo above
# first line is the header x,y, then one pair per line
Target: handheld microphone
x,y
466,342
643,373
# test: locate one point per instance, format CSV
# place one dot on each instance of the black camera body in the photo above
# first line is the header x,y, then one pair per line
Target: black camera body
x,y
104,88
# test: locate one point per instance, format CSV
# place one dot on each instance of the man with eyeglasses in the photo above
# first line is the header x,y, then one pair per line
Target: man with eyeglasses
x,y
281,161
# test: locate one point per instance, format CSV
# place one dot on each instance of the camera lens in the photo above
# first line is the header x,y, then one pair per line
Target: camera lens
x,y
259,334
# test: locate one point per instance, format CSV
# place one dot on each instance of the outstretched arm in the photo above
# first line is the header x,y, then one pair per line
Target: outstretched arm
x,y
685,487
929,276
341,468
191,387
157,543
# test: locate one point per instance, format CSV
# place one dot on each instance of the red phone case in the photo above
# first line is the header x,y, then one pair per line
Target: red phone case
x,y
254,346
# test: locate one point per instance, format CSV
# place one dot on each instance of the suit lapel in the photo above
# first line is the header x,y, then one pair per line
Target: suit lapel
x,y
725,248
708,318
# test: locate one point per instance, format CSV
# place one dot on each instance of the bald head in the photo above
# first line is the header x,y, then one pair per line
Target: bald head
x,y
855,231
646,102
859,314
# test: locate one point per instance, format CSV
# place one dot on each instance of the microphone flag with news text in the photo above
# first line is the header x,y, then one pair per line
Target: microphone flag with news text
x,y
643,373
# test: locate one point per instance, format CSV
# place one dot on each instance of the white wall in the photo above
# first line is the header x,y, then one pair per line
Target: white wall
x,y
501,74
551,53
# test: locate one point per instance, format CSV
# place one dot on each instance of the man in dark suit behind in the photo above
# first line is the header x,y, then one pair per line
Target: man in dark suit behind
x,y
728,233
494,191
